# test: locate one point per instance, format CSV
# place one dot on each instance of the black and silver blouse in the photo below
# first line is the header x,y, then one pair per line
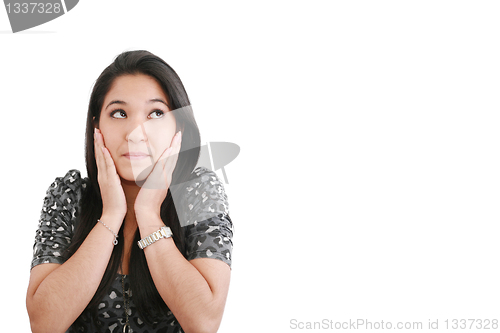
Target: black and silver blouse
x,y
207,228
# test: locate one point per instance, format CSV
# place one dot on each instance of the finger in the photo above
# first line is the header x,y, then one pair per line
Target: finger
x,y
110,163
156,178
174,149
171,161
159,167
107,161
99,157
163,168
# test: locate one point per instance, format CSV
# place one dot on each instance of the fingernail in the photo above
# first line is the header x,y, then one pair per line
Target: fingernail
x,y
178,136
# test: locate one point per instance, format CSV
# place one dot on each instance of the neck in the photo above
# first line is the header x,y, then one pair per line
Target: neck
x,y
131,190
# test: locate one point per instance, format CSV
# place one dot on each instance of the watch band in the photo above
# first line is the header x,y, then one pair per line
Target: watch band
x,y
164,232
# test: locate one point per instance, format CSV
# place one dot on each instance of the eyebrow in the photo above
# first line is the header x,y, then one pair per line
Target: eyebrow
x,y
154,100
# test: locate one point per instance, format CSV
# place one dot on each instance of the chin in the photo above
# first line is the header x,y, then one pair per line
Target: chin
x,y
136,174
127,178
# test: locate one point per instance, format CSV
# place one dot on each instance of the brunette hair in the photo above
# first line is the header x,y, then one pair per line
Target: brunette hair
x,y
146,297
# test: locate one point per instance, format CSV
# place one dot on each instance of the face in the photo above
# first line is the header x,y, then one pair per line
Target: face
x,y
136,124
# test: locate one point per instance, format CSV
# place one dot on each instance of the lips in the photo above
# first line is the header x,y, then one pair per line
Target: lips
x,y
135,155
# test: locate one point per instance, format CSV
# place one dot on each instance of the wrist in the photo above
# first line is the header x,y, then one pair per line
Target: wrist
x,y
114,221
148,222
115,241
146,214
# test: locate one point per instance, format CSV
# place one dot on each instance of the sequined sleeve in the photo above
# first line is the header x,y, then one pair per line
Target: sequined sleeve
x,y
208,229
56,225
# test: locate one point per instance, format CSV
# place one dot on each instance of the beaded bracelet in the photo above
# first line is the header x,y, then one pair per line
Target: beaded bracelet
x,y
116,236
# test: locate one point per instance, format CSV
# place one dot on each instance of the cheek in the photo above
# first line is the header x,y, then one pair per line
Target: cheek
x,y
112,141
160,143
109,134
109,139
159,137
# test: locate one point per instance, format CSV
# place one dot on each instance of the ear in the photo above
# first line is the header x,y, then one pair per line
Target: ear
x,y
94,123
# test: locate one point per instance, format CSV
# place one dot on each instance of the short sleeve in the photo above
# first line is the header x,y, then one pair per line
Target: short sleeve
x,y
56,225
208,230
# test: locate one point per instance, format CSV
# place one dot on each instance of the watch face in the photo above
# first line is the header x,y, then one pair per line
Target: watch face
x,y
166,232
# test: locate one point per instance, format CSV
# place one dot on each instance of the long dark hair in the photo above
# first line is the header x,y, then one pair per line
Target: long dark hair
x,y
146,297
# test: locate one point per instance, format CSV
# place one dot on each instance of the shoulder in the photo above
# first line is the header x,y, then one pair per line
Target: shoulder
x,y
205,185
205,195
200,198
57,219
65,191
71,181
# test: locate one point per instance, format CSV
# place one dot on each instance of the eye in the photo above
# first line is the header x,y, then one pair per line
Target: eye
x,y
119,114
156,114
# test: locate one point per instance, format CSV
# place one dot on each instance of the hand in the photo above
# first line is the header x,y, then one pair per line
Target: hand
x,y
113,197
155,188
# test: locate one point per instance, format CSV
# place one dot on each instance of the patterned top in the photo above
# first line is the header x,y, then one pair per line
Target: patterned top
x,y
207,228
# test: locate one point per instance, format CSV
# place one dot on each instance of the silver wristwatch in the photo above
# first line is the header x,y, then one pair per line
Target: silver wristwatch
x,y
164,232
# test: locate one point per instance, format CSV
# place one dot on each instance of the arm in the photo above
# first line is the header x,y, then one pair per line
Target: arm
x,y
57,294
196,290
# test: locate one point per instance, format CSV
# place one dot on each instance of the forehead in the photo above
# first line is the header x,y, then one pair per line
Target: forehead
x,y
130,87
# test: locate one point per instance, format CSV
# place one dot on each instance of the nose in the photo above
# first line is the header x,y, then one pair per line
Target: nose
x,y
137,133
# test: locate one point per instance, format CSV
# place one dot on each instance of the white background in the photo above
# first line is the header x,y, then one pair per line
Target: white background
x,y
367,186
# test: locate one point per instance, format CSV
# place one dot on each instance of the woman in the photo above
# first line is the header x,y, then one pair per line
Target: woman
x,y
131,248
